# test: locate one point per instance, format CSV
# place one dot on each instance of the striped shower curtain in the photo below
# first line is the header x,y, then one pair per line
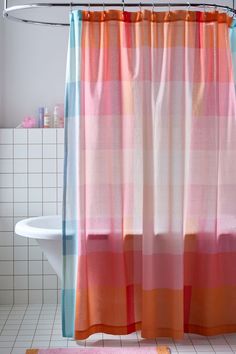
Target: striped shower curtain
x,y
149,230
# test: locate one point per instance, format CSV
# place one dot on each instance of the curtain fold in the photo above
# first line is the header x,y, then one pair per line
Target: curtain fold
x,y
149,230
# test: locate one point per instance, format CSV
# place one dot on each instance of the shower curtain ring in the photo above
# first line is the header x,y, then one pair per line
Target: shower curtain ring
x,y
123,3
71,5
89,10
140,8
104,10
228,12
153,6
169,8
188,9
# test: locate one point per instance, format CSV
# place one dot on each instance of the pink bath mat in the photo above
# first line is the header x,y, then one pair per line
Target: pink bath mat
x,y
147,350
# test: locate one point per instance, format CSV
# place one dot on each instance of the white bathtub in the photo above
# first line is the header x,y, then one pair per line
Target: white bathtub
x,y
47,231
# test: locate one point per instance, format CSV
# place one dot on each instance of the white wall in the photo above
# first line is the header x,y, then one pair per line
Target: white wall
x,y
34,70
33,62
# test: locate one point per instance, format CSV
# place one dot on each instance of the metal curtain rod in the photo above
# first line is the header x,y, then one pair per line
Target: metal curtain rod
x,y
8,11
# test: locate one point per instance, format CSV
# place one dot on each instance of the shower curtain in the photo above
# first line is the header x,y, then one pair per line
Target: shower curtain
x,y
149,229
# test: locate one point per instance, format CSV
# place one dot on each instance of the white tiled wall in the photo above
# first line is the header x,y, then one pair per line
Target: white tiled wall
x,y
31,168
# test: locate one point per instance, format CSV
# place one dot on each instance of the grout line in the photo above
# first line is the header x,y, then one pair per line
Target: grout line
x,y
54,320
28,245
6,319
36,325
120,341
234,351
13,213
18,331
191,343
57,194
42,214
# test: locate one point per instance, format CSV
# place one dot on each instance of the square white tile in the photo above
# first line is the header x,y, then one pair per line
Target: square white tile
x,y
35,282
6,268
35,151
6,253
60,136
6,195
6,151
6,238
60,180
35,180
6,165
35,209
20,241
60,165
35,195
59,208
49,208
6,297
20,253
6,224
35,136
49,195
20,267
49,166
8,344
49,136
40,344
50,282
20,136
20,152
21,344
35,267
58,344
20,195
49,180
59,194
60,151
6,282
20,166
20,180
6,136
49,151
35,165
35,297
21,296
6,209
20,209
35,253
20,282
50,296
6,180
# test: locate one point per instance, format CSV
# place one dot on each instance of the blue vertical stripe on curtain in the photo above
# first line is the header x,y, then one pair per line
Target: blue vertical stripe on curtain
x,y
70,201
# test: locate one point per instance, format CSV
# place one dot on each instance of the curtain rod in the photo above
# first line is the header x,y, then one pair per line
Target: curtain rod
x,y
8,10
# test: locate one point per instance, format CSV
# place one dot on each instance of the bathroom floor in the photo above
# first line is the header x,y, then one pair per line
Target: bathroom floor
x,y
39,326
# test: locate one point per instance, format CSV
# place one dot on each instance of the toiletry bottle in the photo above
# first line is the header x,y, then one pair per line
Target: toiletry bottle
x,y
47,119
61,121
56,117
41,117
